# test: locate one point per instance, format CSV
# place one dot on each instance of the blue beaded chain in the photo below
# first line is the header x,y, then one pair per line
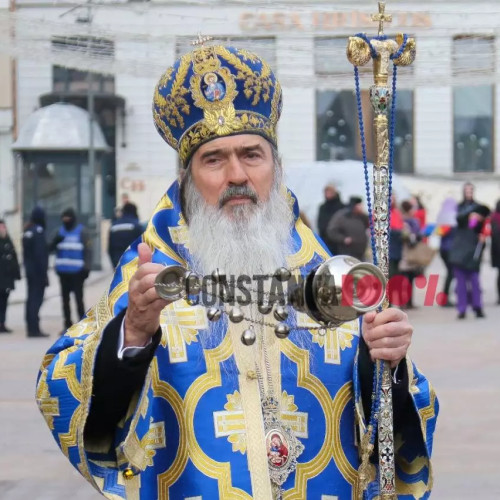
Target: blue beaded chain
x,y
365,165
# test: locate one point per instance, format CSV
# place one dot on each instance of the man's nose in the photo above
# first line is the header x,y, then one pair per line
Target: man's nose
x,y
236,172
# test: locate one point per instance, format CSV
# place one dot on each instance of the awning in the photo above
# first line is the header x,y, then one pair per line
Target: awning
x,y
59,127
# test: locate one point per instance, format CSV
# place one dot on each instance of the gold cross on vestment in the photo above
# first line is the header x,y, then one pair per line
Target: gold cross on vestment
x,y
201,40
332,340
381,17
180,324
230,422
153,440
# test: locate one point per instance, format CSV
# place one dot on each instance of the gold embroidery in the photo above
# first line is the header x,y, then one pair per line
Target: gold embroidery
x,y
180,323
308,248
157,117
258,85
334,340
153,239
212,378
48,405
153,440
332,446
428,412
171,106
275,103
101,314
215,106
127,271
180,234
68,373
231,422
163,390
200,133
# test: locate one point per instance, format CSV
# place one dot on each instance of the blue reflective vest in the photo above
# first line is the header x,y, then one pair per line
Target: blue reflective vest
x,y
70,251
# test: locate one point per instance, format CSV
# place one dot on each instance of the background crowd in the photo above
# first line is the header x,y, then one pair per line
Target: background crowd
x,y
461,233
72,248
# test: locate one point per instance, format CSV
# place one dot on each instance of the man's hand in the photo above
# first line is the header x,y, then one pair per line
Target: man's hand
x,y
387,335
142,318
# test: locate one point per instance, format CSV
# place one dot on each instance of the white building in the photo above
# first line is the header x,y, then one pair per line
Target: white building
x,y
9,196
448,103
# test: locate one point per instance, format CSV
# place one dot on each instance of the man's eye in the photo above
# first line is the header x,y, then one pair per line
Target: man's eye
x,y
253,156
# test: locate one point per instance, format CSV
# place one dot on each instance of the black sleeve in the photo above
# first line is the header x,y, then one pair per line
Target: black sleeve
x,y
401,400
115,381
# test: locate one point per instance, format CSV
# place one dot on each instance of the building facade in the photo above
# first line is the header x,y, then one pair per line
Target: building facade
x,y
447,122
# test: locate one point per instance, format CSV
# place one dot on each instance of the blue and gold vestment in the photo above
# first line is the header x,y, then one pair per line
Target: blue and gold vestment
x,y
185,436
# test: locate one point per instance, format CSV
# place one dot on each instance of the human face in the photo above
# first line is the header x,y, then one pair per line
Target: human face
x,y
469,192
239,160
330,193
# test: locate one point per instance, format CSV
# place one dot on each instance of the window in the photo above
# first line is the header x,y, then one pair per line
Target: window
x,y
66,79
473,105
403,133
336,125
337,130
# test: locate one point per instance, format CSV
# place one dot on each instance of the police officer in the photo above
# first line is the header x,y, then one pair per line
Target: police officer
x,y
36,263
124,230
72,264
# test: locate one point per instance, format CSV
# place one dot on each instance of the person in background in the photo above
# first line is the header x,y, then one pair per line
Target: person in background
x,y
348,229
9,273
468,197
36,265
466,254
395,252
327,210
410,237
72,245
446,225
123,232
419,212
395,241
495,244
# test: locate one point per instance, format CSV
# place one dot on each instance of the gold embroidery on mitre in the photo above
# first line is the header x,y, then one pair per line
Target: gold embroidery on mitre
x,y
219,115
168,109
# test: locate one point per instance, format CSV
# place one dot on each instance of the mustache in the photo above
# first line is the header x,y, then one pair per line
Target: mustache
x,y
233,191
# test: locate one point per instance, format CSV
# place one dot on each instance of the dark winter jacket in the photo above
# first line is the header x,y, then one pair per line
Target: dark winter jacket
x,y
467,250
495,239
9,265
326,211
347,224
35,251
122,233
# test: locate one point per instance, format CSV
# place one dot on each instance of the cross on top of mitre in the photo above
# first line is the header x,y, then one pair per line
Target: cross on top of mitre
x,y
201,40
381,18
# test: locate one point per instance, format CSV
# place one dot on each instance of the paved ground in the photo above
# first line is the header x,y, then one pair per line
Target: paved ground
x,y
460,357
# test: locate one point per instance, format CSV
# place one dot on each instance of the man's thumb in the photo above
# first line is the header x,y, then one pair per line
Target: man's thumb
x,y
369,316
145,254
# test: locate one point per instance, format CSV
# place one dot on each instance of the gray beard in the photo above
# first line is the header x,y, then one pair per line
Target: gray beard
x,y
245,239
250,239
